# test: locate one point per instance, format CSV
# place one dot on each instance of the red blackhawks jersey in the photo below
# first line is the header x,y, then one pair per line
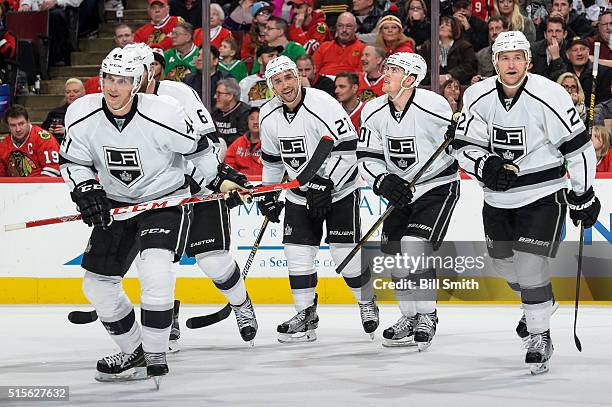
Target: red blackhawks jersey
x,y
157,36
369,90
355,116
37,156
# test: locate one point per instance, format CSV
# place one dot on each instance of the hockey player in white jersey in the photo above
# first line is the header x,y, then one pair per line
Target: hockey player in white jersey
x,y
135,145
210,232
399,132
520,136
291,126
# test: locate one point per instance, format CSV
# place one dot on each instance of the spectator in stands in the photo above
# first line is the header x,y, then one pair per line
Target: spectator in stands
x,y
230,115
572,85
244,154
579,64
276,35
261,12
180,59
391,36
371,79
496,25
58,26
156,34
474,29
54,123
418,26
451,90
123,35
511,11
194,79
548,55
28,151
483,9
311,78
602,141
240,18
217,32
577,24
308,27
229,59
604,36
347,85
343,53
188,10
254,89
367,14
159,64
332,9
457,57
603,113
8,40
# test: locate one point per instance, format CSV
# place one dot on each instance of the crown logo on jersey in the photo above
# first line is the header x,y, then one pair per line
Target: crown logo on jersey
x,y
294,163
402,163
288,230
508,155
125,176
489,241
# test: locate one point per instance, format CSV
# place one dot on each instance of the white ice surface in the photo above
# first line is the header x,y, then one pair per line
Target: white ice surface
x,y
475,360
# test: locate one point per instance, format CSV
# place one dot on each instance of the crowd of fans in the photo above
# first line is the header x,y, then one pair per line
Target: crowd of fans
x,y
339,47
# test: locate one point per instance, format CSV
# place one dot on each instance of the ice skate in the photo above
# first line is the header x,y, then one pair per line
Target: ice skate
x,y
247,323
175,331
539,352
369,316
122,367
156,366
401,333
521,327
425,330
300,328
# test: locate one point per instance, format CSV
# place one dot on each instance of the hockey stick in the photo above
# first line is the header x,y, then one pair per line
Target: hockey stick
x,y
210,319
581,244
319,156
447,140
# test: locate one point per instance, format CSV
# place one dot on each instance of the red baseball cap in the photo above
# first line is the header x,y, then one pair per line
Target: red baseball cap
x,y
164,2
299,2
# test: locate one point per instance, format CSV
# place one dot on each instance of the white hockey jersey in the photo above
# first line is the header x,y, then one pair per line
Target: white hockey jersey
x,y
203,162
400,142
288,140
137,157
539,130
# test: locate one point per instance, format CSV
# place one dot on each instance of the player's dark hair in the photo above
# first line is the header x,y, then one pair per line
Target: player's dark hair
x,y
16,111
351,77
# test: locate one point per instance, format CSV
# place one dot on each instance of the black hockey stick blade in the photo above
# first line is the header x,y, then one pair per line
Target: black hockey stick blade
x,y
82,317
577,299
324,148
206,320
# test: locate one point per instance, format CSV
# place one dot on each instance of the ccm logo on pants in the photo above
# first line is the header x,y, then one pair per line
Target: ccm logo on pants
x,y
154,230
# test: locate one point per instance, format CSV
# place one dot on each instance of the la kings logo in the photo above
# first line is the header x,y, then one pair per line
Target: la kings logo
x,y
403,152
124,165
293,151
508,142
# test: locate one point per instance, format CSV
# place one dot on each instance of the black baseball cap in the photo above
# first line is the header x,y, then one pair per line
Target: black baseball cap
x,y
267,49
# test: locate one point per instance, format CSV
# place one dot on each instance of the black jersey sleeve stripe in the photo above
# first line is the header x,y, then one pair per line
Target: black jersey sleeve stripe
x,y
202,146
165,127
68,145
586,167
539,177
266,116
350,145
574,143
83,118
352,177
66,159
373,113
335,166
270,158
365,167
550,108
364,155
432,113
481,96
459,143
332,134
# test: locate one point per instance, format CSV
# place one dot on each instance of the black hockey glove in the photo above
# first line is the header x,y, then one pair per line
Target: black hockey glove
x,y
395,189
270,207
319,197
230,181
92,203
496,173
584,208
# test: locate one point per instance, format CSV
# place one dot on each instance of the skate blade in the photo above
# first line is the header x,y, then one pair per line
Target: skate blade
x,y
399,343
173,347
539,368
157,381
137,373
252,343
371,336
423,346
298,337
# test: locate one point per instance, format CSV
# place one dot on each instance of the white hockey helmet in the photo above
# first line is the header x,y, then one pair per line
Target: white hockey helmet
x,y
277,65
411,63
144,52
511,41
123,63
